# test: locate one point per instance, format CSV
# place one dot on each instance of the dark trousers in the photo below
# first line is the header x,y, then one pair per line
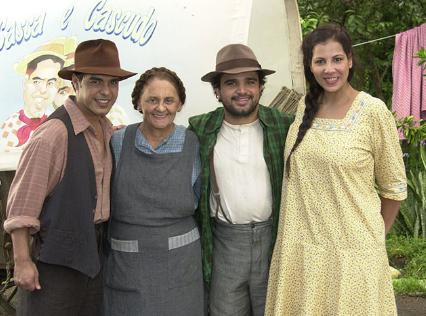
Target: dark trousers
x,y
240,268
64,292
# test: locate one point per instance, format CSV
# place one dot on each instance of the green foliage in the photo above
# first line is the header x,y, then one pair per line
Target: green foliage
x,y
411,220
407,222
367,20
409,256
422,55
414,144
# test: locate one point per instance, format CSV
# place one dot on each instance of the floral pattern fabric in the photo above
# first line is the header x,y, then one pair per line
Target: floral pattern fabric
x,y
330,256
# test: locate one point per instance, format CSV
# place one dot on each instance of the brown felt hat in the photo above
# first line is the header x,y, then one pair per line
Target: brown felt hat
x,y
234,59
99,57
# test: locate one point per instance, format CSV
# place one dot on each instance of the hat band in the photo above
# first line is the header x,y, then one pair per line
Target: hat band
x,y
237,63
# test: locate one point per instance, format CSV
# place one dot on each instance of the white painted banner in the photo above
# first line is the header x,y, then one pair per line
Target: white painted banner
x,y
182,35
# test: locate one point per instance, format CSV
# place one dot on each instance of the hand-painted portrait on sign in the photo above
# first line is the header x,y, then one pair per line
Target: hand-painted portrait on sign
x,y
42,90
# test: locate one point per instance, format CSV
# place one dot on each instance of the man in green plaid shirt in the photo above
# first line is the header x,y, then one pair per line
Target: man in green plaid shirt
x,y
241,148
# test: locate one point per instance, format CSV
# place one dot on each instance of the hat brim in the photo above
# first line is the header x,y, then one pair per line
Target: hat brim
x,y
209,77
67,72
21,67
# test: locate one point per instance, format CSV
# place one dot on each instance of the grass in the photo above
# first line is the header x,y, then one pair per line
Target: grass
x,y
408,255
409,286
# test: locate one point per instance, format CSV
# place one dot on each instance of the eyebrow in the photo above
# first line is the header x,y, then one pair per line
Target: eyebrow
x,y
94,78
338,54
40,78
102,79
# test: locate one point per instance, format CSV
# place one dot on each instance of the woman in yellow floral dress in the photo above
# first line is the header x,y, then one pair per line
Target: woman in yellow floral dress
x,y
344,182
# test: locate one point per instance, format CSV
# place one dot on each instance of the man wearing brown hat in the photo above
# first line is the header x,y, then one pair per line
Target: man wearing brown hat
x,y
242,157
60,194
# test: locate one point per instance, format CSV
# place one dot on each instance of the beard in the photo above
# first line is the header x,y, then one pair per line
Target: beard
x,y
240,112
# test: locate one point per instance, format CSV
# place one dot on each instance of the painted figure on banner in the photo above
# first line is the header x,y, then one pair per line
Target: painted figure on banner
x,y
39,91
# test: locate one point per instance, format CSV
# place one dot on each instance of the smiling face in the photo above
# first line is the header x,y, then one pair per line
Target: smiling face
x,y
40,88
95,94
240,94
159,102
330,66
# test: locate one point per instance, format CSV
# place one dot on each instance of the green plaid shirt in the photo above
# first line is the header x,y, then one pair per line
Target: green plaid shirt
x,y
275,127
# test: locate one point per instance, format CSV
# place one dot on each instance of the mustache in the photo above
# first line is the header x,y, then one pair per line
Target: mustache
x,y
245,95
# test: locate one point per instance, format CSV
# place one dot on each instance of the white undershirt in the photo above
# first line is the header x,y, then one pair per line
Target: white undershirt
x,y
242,175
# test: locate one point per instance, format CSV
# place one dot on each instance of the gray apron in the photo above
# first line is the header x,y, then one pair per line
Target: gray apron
x,y
154,264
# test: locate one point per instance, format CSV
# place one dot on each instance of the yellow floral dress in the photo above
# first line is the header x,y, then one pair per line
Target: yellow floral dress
x,y
330,256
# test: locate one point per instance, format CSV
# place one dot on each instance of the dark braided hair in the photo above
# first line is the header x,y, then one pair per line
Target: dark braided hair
x,y
157,73
315,91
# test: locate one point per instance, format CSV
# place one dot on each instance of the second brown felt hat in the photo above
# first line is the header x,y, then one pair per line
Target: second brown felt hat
x,y
99,57
234,59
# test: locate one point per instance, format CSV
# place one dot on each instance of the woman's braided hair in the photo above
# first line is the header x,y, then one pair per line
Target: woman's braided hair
x,y
315,92
157,73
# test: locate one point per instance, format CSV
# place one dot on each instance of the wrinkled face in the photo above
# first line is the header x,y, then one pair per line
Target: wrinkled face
x,y
240,94
63,92
95,94
159,102
40,88
330,66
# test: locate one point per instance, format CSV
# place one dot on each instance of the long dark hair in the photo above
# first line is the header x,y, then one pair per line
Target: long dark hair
x,y
319,35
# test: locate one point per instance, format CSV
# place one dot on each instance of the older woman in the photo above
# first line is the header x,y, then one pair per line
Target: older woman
x,y
345,179
154,264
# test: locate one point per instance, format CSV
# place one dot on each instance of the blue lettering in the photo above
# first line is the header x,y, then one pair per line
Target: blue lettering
x,y
122,24
98,7
149,30
129,25
148,34
11,39
66,18
137,29
27,30
109,29
38,29
17,32
2,39
101,23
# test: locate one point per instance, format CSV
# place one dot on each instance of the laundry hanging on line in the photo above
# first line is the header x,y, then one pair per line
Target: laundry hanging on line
x,y
409,81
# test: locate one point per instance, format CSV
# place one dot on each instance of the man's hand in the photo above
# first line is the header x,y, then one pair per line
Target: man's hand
x,y
26,275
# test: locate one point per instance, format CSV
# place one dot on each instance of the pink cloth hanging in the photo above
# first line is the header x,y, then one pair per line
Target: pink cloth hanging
x,y
409,83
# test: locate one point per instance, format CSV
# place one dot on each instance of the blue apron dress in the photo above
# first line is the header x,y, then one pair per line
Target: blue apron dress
x,y
154,264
